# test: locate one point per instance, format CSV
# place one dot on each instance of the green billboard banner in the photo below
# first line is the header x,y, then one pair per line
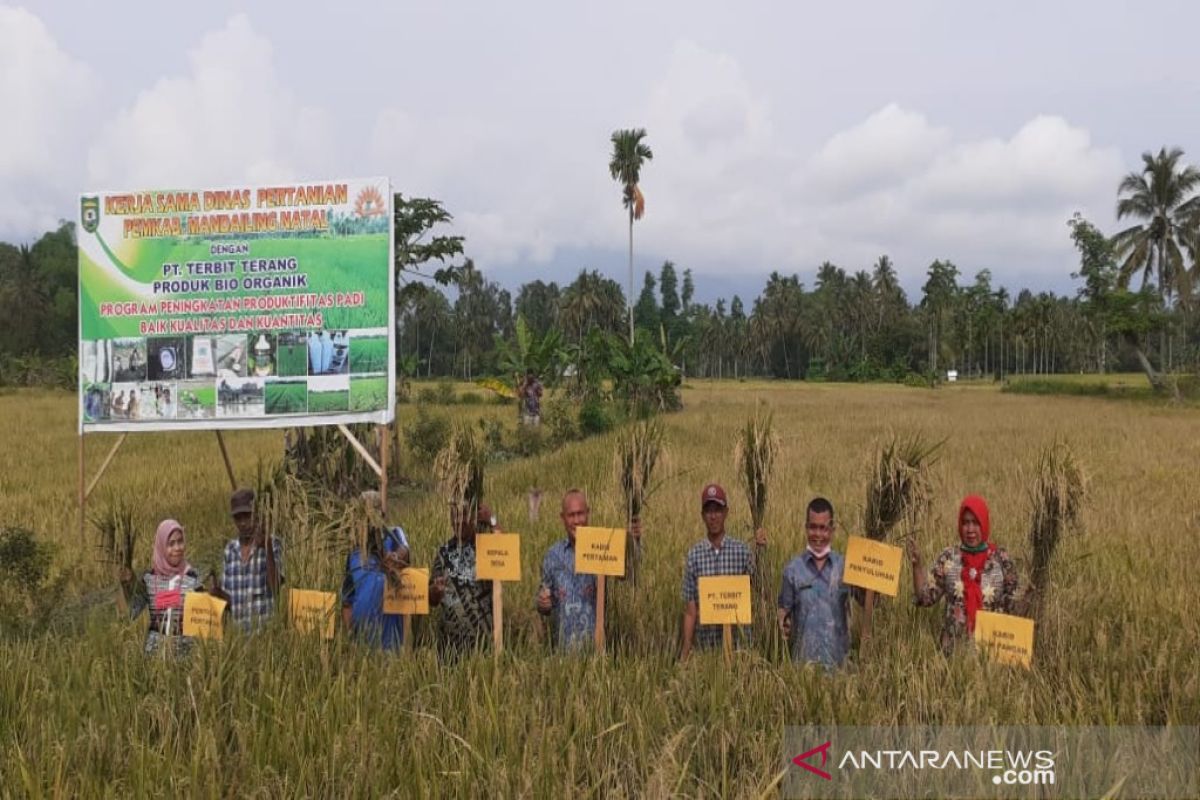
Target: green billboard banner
x,y
241,307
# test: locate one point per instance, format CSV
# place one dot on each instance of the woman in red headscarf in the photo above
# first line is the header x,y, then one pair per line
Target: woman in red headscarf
x,y
162,588
976,575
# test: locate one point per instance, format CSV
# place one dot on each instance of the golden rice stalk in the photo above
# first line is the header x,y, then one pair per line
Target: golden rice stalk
x,y
899,489
458,472
640,449
754,456
116,529
1057,495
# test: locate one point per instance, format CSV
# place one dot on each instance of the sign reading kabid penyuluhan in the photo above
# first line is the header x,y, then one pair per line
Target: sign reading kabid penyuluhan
x,y
237,307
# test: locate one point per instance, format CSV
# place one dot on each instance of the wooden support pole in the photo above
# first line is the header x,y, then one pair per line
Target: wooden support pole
x,y
385,435
82,495
228,464
600,613
406,620
868,610
497,617
103,465
727,637
362,451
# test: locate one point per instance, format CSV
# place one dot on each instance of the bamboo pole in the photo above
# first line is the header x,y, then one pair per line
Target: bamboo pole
x,y
362,451
727,638
228,463
103,466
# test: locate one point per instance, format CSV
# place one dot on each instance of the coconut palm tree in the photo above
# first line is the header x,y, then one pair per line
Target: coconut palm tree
x,y
625,166
1163,195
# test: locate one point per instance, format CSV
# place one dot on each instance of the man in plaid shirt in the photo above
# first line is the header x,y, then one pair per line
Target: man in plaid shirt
x,y
252,571
718,554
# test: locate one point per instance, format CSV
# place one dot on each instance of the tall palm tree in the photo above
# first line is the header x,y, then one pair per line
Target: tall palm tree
x,y
625,166
1163,195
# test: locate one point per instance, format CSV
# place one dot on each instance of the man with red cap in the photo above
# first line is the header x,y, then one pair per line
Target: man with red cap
x,y
718,554
972,576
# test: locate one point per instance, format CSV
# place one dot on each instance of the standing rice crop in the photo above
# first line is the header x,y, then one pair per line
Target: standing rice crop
x,y
458,472
640,450
899,489
754,457
1057,495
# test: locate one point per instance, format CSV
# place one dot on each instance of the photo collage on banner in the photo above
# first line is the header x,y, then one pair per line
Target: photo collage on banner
x,y
243,307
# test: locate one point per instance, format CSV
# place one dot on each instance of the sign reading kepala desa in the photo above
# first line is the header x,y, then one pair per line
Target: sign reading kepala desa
x,y
239,307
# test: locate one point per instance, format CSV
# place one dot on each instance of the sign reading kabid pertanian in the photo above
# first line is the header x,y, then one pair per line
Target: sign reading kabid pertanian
x,y
600,551
236,307
498,557
873,565
724,600
1007,638
409,595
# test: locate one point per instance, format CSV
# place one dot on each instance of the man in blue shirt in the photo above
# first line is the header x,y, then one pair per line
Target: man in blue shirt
x,y
367,576
814,607
568,598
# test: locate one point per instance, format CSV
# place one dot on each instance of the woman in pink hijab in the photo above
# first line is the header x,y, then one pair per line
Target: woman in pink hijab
x,y
162,588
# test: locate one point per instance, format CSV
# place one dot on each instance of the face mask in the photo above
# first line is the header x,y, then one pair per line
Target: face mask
x,y
821,553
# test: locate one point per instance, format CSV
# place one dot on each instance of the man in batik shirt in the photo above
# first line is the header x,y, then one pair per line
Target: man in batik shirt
x,y
568,598
464,621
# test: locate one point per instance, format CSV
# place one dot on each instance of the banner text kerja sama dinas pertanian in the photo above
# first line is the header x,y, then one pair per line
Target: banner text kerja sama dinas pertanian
x,y
241,307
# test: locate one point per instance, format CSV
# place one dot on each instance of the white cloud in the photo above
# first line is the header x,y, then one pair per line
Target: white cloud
x,y
230,119
47,98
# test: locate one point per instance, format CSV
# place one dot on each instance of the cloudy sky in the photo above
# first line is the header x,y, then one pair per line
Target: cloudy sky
x,y
784,134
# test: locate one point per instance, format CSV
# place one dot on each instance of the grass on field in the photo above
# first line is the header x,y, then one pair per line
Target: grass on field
x,y
86,715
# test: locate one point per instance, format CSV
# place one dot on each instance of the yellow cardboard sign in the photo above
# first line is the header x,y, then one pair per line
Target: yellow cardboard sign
x,y
312,611
202,615
1007,639
410,595
498,557
724,600
600,551
873,565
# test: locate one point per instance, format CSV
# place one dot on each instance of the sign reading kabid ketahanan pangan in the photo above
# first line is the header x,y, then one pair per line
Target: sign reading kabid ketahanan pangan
x,y
237,307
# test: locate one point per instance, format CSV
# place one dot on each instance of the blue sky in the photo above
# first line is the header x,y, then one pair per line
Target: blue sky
x,y
784,134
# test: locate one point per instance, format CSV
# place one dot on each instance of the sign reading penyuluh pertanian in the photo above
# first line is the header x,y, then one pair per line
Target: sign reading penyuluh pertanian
x,y
409,594
239,307
203,615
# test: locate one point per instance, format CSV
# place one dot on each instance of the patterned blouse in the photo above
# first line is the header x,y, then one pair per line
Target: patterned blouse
x,y
998,582
464,620
163,598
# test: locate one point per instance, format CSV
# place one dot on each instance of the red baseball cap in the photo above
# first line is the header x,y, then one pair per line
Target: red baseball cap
x,y
713,493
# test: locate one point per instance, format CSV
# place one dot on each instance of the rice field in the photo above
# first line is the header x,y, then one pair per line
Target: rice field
x,y
86,715
368,394
287,397
324,401
368,354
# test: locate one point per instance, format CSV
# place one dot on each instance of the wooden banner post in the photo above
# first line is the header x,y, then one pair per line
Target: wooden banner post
x,y
875,567
725,600
498,559
600,552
